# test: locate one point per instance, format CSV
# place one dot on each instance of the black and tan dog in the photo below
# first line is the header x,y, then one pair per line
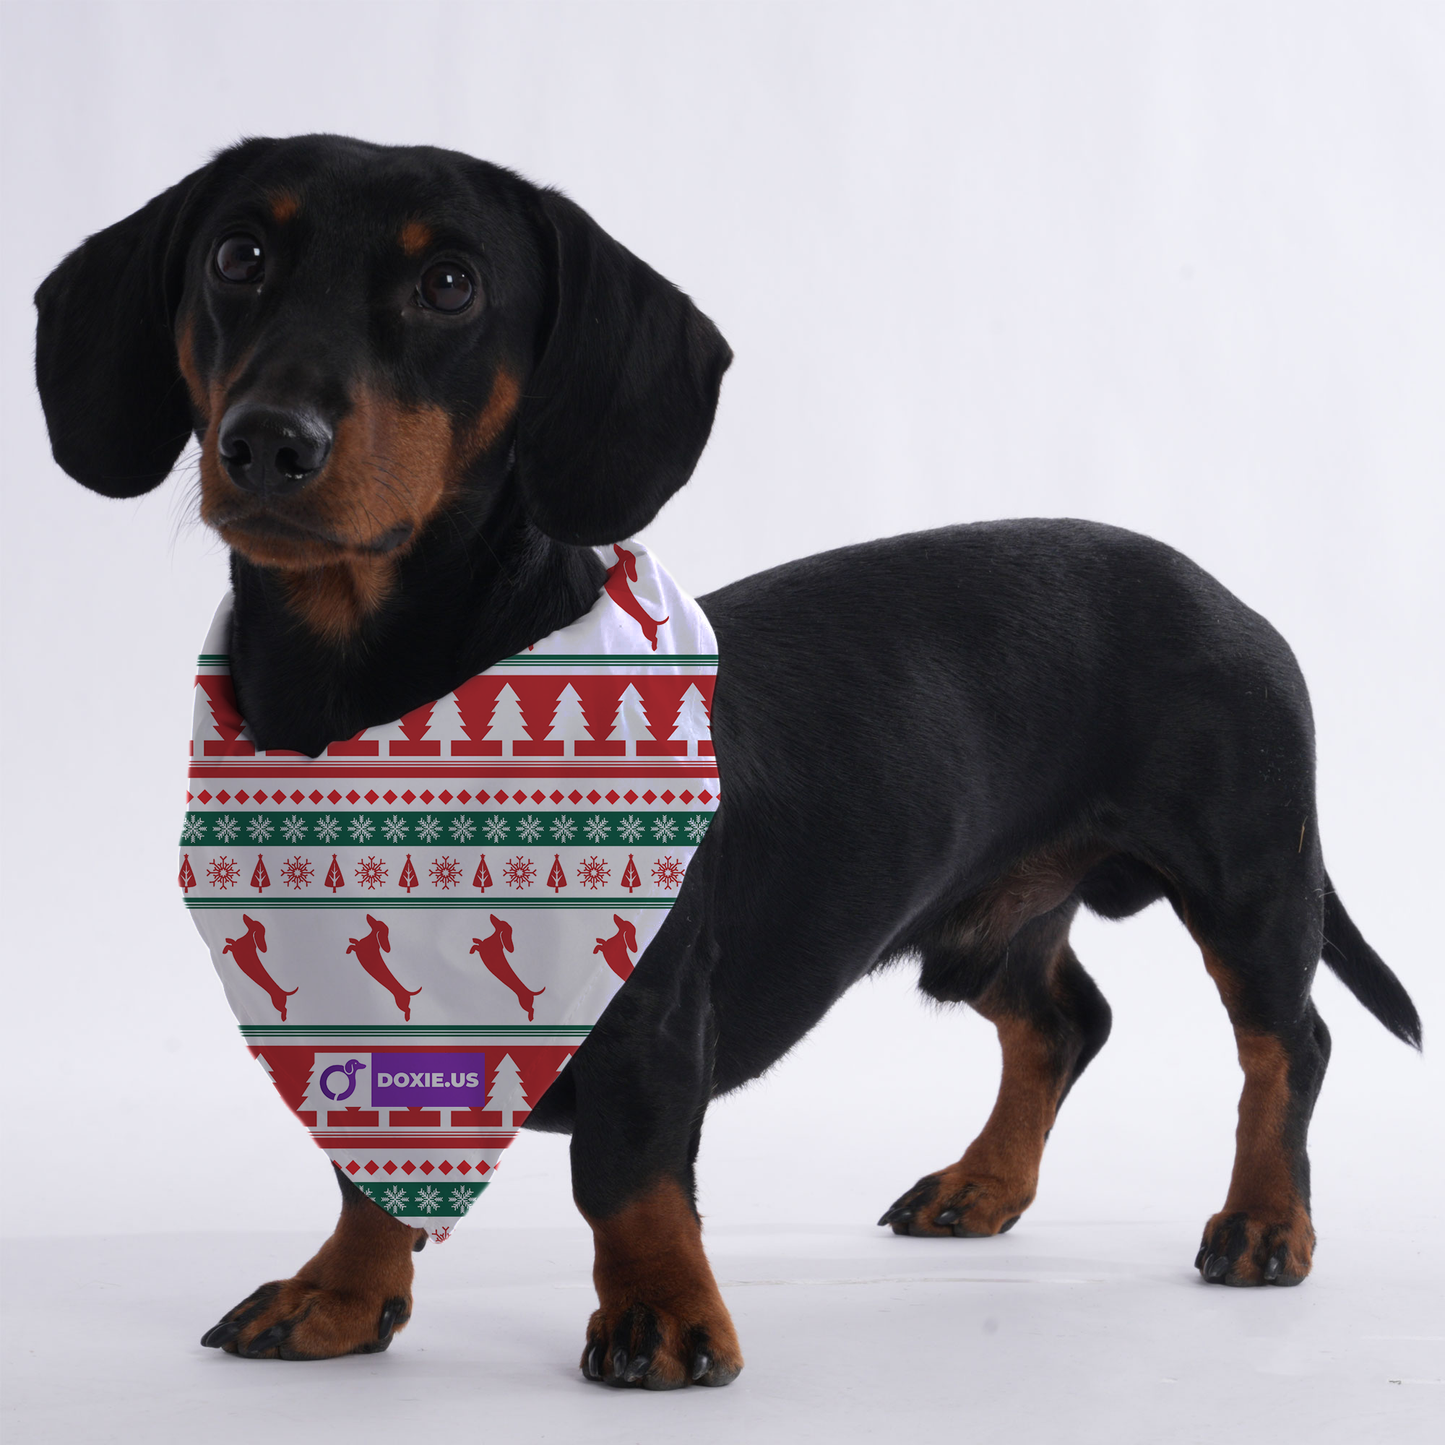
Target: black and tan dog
x,y
421,386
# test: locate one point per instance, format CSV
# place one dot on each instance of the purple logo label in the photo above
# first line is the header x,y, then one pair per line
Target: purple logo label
x,y
411,1081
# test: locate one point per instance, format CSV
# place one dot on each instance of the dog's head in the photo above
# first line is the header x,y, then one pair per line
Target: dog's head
x,y
366,338
257,931
628,932
504,931
380,932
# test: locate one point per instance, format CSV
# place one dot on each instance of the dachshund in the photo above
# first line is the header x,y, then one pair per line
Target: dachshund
x,y
423,390
368,953
493,951
247,951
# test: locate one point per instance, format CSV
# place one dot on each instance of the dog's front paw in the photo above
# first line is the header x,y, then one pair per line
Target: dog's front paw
x,y
291,1319
657,1349
961,1203
1241,1249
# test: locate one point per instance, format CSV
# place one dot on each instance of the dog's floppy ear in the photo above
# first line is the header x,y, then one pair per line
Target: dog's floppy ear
x,y
105,351
621,402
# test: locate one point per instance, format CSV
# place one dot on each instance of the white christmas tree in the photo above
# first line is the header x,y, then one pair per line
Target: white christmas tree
x,y
692,724
507,1093
569,725
385,733
203,723
631,721
445,724
507,725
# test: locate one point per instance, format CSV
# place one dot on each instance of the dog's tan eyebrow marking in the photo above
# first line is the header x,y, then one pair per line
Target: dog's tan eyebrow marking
x,y
492,422
415,237
284,205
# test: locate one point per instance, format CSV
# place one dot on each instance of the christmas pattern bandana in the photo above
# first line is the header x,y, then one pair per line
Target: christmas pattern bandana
x,y
417,929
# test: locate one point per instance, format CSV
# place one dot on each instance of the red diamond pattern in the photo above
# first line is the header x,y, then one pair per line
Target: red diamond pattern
x,y
466,797
408,1167
334,797
408,796
574,797
464,1167
223,797
445,1166
704,796
427,1166
649,796
353,797
630,796
315,796
539,796
593,796
204,796
352,1167
298,796
278,796
372,796
556,796
427,796
668,796
188,796
519,796
686,797
242,797
444,797
371,1166
389,796
389,1166
612,797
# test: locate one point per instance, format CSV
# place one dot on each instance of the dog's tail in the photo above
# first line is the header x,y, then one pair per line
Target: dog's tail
x,y
1365,973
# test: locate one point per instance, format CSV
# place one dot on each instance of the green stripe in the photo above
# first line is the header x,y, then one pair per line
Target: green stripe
x,y
390,1031
254,904
434,1196
632,659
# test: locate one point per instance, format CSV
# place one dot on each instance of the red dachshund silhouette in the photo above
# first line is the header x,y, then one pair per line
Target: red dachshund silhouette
x,y
493,950
617,589
247,951
618,949
368,953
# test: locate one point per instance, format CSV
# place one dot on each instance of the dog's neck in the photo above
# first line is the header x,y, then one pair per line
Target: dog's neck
x,y
465,596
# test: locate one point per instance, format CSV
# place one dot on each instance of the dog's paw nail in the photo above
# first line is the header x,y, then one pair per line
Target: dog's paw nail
x,y
619,1363
1008,1224
1273,1265
267,1340
946,1217
392,1311
419,1243
701,1364
1216,1267
637,1367
1201,1256
592,1364
221,1334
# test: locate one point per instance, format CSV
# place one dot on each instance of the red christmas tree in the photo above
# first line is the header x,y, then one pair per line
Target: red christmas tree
x,y
630,879
334,880
260,879
483,878
556,879
408,879
187,879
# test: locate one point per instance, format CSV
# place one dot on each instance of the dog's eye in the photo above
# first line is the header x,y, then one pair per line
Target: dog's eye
x,y
446,287
241,259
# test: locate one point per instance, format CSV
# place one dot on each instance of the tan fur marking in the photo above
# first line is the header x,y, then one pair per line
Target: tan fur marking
x,y
336,1297
284,206
1033,886
333,601
416,237
650,1254
494,418
186,360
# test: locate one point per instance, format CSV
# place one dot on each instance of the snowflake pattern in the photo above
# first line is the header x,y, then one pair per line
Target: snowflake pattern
x,y
371,872
530,828
519,872
630,829
429,829
664,829
446,872
428,1199
597,828
297,872
697,826
462,829
563,828
222,872
328,829
496,829
260,829
440,1233
394,1198
293,830
226,829
667,871
193,828
461,1198
361,829
594,872
395,828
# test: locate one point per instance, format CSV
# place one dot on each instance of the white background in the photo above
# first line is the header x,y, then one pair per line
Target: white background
x,y
1176,267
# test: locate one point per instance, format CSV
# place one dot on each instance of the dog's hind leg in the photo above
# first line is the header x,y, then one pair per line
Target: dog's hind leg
x,y
1262,956
1051,1021
350,1298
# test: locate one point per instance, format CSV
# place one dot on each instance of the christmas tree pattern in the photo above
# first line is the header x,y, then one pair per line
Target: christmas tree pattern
x,y
630,725
692,726
507,1093
408,879
188,878
483,877
507,725
444,726
556,879
260,879
630,878
334,878
569,725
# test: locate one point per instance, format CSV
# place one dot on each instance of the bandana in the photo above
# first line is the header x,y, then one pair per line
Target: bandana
x,y
417,929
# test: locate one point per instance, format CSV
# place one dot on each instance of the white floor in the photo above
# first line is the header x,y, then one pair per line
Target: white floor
x,y
1084,1332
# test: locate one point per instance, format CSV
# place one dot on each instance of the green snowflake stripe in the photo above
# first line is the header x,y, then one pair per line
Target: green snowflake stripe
x,y
443,828
531,1033
421,1196
250,902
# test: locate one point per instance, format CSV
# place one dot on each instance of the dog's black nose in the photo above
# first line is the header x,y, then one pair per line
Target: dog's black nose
x,y
272,450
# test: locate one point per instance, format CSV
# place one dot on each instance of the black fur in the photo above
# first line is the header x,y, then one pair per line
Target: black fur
x,y
937,746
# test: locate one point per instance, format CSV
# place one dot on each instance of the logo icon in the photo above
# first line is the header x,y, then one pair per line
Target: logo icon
x,y
348,1071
